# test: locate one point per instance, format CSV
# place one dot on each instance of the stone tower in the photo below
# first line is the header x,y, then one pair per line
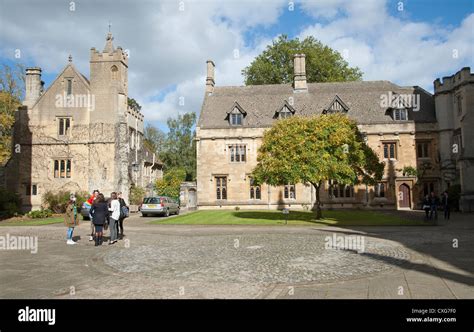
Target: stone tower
x,y
454,99
108,156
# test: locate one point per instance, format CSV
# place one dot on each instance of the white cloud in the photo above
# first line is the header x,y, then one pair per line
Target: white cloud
x,y
391,48
168,46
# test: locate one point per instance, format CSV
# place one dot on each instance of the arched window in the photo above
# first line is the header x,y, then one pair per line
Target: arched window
x,y
114,71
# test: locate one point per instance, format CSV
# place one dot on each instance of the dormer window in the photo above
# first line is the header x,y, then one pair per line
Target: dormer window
x,y
236,115
336,106
236,119
285,112
400,114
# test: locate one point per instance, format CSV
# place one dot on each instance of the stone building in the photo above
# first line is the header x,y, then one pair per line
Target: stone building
x,y
454,98
80,134
399,123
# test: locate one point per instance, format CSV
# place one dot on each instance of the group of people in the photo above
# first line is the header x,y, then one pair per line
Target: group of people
x,y
103,214
431,204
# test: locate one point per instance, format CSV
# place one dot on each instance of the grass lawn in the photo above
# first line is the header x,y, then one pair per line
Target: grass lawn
x,y
250,217
31,222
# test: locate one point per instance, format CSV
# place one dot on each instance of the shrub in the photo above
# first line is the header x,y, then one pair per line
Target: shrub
x,y
57,202
171,182
40,214
136,195
10,203
237,208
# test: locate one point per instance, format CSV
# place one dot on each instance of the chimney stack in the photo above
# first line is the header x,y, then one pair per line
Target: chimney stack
x,y
299,67
33,85
210,77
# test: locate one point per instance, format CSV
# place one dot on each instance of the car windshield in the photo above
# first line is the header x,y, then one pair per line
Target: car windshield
x,y
151,200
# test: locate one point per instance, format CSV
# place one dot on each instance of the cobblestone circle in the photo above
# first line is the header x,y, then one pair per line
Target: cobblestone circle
x,y
255,258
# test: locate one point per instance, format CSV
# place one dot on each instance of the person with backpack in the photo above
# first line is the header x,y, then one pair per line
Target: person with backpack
x,y
70,218
114,210
124,212
99,212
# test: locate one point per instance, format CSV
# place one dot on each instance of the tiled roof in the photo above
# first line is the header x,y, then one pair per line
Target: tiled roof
x,y
260,102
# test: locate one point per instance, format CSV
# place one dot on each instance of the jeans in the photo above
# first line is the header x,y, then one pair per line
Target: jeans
x,y
434,211
447,212
92,225
113,229
70,230
120,226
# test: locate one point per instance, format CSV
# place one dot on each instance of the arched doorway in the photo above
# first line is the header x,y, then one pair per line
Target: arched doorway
x,y
404,197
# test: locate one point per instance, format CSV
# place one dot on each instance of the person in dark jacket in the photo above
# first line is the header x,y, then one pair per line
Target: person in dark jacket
x,y
446,206
434,203
100,213
427,206
122,216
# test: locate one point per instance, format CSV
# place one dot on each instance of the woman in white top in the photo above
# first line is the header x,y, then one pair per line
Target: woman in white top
x,y
114,217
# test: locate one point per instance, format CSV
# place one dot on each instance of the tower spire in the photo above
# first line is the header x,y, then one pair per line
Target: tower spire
x,y
109,47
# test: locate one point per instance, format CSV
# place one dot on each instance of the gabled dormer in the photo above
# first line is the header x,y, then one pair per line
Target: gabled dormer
x,y
236,115
398,106
286,111
337,105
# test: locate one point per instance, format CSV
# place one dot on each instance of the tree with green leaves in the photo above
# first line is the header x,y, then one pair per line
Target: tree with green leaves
x,y
155,139
275,64
133,104
179,147
170,184
12,82
316,149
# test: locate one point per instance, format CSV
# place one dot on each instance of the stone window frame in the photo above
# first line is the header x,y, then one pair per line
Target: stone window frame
x,y
338,190
395,150
31,189
69,87
66,122
221,187
114,72
380,189
288,190
235,152
59,170
426,149
255,191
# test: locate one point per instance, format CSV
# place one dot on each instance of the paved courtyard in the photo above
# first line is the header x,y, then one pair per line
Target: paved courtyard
x,y
176,261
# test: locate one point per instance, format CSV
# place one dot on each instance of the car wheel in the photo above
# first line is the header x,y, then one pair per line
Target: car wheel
x,y
144,215
167,213
177,212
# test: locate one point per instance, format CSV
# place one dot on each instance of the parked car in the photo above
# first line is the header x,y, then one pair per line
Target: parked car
x,y
161,205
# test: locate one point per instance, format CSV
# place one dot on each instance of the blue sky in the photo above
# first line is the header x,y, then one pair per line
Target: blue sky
x,y
169,47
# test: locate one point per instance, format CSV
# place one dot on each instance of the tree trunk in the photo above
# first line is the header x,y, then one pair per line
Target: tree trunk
x,y
319,214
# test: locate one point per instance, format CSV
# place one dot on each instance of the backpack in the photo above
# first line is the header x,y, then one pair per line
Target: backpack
x,y
124,213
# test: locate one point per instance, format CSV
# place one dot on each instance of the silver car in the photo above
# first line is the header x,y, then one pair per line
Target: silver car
x,y
161,205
